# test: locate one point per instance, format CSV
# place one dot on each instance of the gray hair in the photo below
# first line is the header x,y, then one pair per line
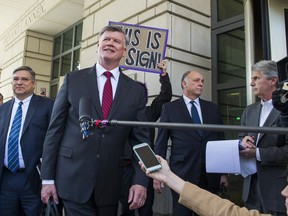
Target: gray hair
x,y
114,28
267,67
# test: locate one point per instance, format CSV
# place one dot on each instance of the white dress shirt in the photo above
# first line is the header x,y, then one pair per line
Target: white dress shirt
x,y
25,106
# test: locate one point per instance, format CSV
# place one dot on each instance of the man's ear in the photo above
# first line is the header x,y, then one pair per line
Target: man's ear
x,y
125,50
183,84
97,47
274,80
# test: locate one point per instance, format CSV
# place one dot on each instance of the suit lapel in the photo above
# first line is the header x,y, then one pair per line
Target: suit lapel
x,y
255,119
34,103
271,119
204,110
122,87
90,82
184,110
6,121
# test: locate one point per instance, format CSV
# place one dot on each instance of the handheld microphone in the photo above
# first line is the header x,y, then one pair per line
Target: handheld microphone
x,y
85,119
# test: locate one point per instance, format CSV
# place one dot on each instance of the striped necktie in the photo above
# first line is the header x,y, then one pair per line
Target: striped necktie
x,y
107,97
195,116
13,141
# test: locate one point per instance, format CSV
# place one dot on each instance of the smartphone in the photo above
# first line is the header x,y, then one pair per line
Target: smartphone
x,y
146,155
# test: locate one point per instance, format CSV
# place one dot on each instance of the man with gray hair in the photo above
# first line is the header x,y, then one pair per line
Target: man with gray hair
x,y
262,189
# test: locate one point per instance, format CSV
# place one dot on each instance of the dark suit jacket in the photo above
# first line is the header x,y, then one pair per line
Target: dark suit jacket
x,y
153,111
81,166
33,134
273,149
188,148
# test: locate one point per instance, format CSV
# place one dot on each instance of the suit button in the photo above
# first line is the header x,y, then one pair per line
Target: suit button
x,y
103,135
97,155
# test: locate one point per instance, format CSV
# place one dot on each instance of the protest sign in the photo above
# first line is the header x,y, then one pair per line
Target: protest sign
x,y
146,47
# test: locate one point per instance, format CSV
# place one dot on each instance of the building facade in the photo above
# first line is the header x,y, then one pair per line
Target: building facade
x,y
219,38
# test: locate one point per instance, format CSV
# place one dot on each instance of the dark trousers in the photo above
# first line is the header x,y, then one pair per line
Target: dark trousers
x,y
178,209
88,209
254,200
146,210
17,196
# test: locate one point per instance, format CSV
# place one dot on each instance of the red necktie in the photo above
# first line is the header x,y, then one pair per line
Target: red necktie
x,y
107,95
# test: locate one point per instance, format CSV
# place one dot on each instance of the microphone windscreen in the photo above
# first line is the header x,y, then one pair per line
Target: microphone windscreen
x,y
85,108
282,68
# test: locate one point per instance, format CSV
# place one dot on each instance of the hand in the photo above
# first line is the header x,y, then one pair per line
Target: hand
x,y
159,176
137,196
248,153
47,191
248,142
278,102
157,185
163,66
164,175
224,180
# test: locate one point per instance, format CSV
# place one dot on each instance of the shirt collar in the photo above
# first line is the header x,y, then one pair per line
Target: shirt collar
x,y
187,100
100,70
26,100
269,102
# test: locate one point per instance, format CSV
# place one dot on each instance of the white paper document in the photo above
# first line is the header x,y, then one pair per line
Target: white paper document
x,y
223,157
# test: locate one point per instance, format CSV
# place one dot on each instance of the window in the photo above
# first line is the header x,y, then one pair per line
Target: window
x,y
229,8
231,56
228,60
66,54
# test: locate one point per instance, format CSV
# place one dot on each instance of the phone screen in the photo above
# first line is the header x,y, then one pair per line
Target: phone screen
x,y
147,156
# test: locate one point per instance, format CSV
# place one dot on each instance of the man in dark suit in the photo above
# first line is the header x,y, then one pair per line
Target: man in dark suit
x,y
87,173
262,190
20,188
187,158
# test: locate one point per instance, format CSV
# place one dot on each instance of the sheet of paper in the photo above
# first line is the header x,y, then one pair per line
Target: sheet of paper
x,y
222,156
248,166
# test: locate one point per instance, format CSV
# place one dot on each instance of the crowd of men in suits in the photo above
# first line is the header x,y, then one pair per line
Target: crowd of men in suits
x,y
85,173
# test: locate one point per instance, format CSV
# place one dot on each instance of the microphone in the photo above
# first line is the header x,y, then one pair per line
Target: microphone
x,y
85,119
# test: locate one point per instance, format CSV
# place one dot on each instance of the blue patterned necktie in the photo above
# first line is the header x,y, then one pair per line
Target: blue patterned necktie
x,y
13,141
195,116
107,95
